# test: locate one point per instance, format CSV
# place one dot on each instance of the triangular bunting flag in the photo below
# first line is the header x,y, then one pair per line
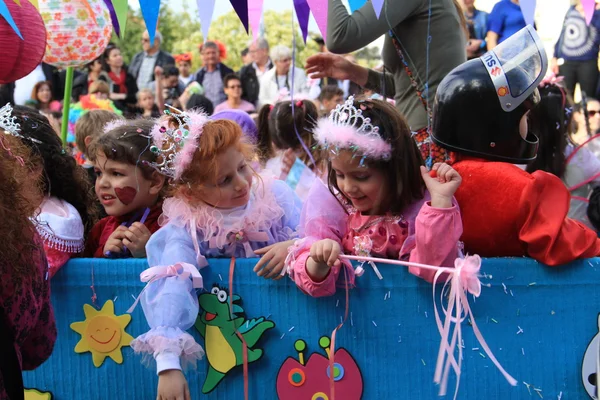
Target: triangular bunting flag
x,y
150,10
528,10
356,4
588,9
241,9
205,12
17,2
303,13
377,6
319,11
120,7
254,13
113,17
6,14
35,3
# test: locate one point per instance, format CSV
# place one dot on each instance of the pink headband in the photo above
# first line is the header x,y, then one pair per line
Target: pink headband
x,y
347,128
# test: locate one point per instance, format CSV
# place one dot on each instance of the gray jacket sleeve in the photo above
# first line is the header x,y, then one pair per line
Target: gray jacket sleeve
x,y
381,83
347,33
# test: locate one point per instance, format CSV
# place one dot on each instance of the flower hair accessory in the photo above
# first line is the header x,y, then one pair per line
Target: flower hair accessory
x,y
175,145
347,128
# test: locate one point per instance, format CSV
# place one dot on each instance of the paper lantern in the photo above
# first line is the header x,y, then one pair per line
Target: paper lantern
x,y
78,31
25,54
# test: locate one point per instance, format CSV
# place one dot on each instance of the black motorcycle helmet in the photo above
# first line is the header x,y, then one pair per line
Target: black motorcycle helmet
x,y
479,105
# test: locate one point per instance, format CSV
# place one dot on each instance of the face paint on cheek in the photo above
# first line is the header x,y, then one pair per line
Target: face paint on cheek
x,y
126,194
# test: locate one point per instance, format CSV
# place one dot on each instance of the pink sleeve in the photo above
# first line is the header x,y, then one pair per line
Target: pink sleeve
x,y
435,242
322,218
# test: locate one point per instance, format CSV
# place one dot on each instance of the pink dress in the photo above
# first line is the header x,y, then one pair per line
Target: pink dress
x,y
422,234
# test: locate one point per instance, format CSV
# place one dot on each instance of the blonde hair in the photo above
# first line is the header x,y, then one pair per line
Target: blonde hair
x,y
91,124
99,86
141,91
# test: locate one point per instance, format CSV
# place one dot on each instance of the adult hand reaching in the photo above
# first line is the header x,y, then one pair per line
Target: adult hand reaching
x,y
335,66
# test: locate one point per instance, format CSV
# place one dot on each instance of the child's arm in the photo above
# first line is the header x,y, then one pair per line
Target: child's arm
x,y
169,301
322,218
438,226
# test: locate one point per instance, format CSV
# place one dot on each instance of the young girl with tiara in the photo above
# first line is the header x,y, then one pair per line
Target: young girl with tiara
x,y
387,204
127,187
219,208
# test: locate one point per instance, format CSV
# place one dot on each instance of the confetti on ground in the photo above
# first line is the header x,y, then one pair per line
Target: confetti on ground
x,y
374,323
385,297
133,297
509,278
423,361
267,317
523,351
291,329
282,336
552,312
482,355
528,385
475,349
337,303
399,339
520,330
462,343
220,278
389,294
539,392
518,312
511,293
494,321
559,396
426,315
341,320
504,286
351,320
115,299
532,284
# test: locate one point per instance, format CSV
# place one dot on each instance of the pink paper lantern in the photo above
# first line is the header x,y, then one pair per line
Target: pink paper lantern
x,y
78,31
21,56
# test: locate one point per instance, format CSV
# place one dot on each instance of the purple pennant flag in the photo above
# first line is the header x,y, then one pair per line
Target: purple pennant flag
x,y
528,10
377,6
150,10
205,12
588,9
303,13
241,9
113,17
319,11
254,13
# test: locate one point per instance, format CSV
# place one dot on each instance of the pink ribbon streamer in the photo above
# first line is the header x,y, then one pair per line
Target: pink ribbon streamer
x,y
461,279
233,238
181,270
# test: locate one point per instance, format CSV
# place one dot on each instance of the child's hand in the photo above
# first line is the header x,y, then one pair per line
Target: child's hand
x,y
114,244
323,255
273,260
136,238
442,182
172,385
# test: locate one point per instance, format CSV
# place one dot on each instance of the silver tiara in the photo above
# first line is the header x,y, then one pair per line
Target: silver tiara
x,y
8,122
348,115
171,142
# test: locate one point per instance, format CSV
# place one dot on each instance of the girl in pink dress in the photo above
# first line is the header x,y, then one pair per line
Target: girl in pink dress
x,y
381,201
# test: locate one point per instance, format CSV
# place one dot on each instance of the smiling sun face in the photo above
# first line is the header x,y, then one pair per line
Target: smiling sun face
x,y
102,333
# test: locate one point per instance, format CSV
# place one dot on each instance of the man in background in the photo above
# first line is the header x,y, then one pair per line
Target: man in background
x,y
250,74
144,63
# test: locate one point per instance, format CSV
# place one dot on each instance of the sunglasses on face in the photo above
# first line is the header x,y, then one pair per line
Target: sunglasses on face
x,y
593,113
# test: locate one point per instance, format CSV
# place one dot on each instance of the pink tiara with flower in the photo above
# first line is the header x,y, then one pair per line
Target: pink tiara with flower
x,y
347,128
175,146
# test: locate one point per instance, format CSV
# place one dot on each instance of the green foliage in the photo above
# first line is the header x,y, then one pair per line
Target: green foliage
x,y
181,33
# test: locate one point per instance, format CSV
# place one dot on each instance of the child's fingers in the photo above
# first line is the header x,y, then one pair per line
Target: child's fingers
x,y
276,270
138,230
425,174
264,250
128,243
187,393
112,249
266,265
333,257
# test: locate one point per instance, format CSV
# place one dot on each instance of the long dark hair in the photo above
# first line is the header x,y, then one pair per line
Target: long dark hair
x,y
61,176
283,125
264,144
403,173
550,121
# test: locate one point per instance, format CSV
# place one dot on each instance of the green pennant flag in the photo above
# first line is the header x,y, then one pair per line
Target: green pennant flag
x,y
121,11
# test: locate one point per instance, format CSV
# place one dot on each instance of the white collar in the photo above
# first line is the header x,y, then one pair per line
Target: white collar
x,y
60,225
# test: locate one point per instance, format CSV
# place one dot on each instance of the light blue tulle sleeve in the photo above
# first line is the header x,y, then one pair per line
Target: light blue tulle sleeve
x,y
170,302
291,204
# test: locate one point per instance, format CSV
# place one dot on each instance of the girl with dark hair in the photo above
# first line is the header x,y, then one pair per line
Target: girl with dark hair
x,y
123,88
291,131
27,325
41,98
575,164
67,210
82,83
128,188
387,204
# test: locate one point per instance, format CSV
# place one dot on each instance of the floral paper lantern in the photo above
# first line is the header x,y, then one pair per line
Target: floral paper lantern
x,y
78,31
25,54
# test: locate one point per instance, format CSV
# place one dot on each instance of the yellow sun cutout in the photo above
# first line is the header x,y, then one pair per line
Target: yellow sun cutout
x,y
34,394
102,333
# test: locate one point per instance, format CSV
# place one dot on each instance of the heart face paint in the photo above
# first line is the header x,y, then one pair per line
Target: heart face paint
x,y
126,195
